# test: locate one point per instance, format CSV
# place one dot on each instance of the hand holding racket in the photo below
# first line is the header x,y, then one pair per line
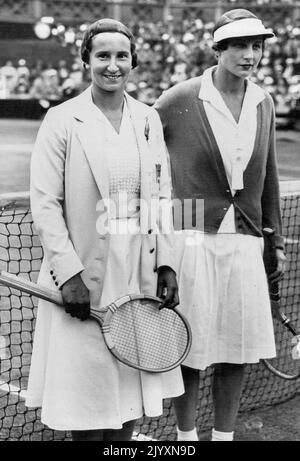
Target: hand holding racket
x,y
287,366
135,330
76,298
167,288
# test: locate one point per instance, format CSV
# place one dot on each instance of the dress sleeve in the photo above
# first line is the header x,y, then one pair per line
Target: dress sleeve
x,y
271,212
47,180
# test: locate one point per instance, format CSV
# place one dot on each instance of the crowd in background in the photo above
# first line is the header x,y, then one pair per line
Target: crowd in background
x,y
166,56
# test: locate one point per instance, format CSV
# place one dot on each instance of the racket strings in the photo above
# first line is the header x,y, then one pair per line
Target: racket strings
x,y
148,337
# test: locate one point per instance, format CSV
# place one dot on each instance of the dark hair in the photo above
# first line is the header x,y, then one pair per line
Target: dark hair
x,y
106,25
223,44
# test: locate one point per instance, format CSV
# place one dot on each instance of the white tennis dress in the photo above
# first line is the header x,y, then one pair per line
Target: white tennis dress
x,y
222,283
73,376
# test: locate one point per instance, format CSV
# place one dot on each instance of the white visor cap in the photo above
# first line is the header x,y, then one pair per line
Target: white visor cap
x,y
248,27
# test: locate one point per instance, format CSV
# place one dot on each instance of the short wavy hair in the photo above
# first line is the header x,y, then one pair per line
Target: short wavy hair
x,y
106,25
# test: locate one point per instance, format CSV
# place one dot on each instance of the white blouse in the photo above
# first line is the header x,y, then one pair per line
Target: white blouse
x,y
123,161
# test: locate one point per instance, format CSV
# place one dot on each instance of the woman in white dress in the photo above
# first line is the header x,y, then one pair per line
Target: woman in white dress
x,y
219,129
99,162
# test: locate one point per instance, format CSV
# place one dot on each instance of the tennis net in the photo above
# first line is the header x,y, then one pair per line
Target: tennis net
x,y
21,254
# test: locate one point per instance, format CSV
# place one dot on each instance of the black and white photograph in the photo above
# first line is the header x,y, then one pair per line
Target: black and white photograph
x,y
149,223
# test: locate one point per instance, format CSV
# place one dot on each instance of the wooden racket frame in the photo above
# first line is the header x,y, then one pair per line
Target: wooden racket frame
x,y
102,316
105,327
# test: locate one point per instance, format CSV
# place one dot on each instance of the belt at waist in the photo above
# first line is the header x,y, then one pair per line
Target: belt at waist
x,y
124,205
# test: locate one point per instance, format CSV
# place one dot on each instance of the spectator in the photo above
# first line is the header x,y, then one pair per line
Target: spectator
x,y
47,86
23,71
169,53
63,72
9,76
76,75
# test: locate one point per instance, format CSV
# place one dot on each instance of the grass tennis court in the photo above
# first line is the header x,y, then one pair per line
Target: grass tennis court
x,y
276,422
17,138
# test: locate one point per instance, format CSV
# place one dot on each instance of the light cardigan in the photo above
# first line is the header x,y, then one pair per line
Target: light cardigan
x,y
70,187
198,170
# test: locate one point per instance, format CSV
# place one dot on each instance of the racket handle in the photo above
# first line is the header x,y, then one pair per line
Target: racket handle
x,y
274,291
270,262
286,321
31,288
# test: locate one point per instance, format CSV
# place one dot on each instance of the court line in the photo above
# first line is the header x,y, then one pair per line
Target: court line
x,y
11,389
142,437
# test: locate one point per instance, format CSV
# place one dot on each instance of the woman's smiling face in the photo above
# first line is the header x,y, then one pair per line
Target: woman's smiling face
x,y
241,56
110,61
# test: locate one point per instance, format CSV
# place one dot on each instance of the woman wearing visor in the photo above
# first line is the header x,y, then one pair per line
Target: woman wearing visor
x,y
220,133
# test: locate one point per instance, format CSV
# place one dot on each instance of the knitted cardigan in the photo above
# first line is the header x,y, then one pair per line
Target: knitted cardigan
x,y
198,171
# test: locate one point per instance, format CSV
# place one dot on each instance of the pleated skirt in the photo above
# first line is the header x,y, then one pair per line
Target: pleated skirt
x,y
224,294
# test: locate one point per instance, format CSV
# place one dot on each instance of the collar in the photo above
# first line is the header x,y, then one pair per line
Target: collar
x,y
208,92
83,106
98,112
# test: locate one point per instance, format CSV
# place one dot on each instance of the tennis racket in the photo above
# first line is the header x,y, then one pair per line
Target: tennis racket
x,y
286,364
135,330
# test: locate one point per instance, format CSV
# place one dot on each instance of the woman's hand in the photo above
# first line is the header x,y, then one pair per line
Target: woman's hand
x,y
277,275
76,298
167,288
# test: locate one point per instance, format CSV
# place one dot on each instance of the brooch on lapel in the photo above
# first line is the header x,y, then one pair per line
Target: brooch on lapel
x,y
147,129
158,171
